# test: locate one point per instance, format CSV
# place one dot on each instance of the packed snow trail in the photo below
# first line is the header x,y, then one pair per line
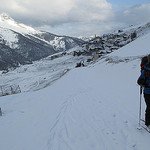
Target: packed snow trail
x,y
80,111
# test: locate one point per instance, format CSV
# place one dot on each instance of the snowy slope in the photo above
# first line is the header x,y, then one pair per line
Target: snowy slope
x,y
10,37
21,44
92,108
7,22
140,29
58,42
137,48
41,73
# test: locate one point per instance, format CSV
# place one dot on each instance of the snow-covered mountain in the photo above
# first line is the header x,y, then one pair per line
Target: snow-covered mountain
x,y
86,38
89,108
21,44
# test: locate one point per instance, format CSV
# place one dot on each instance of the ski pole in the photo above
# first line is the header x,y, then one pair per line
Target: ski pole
x,y
140,106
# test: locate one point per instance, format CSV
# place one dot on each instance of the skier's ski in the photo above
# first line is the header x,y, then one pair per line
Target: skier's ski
x,y
143,120
145,128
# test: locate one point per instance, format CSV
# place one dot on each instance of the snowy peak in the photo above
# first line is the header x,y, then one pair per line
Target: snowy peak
x,y
5,17
7,22
24,44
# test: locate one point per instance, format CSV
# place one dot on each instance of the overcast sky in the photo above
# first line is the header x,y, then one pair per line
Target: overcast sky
x,y
77,17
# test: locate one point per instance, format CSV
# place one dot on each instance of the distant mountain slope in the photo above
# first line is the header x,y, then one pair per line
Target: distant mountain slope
x,y
21,44
107,43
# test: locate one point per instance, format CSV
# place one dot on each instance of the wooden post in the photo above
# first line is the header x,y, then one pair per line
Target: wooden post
x,y
2,91
0,112
19,88
11,90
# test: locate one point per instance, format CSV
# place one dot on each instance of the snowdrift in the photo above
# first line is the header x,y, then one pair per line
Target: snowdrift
x,y
92,108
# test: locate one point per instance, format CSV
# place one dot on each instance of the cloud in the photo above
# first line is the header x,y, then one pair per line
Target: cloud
x,y
74,17
92,10
134,15
54,12
82,29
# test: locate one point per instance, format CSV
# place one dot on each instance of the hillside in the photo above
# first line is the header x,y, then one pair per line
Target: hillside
x,y
110,42
21,44
44,72
94,107
41,73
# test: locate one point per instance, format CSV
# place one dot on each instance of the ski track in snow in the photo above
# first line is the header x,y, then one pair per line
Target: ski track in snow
x,y
90,131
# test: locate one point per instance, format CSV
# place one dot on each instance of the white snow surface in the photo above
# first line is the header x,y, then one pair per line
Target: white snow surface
x,y
58,43
89,108
136,48
9,23
9,26
9,37
41,73
9,29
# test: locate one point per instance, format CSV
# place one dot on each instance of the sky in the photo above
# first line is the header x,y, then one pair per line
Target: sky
x,y
77,17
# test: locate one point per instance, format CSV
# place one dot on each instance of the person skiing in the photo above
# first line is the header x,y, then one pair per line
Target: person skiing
x,y
144,81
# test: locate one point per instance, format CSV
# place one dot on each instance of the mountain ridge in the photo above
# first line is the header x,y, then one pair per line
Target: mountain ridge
x,y
28,43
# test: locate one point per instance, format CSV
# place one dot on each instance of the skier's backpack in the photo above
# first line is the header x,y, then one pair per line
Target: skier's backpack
x,y
144,61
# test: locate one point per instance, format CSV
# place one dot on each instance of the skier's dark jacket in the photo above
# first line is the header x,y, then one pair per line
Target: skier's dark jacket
x,y
144,79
